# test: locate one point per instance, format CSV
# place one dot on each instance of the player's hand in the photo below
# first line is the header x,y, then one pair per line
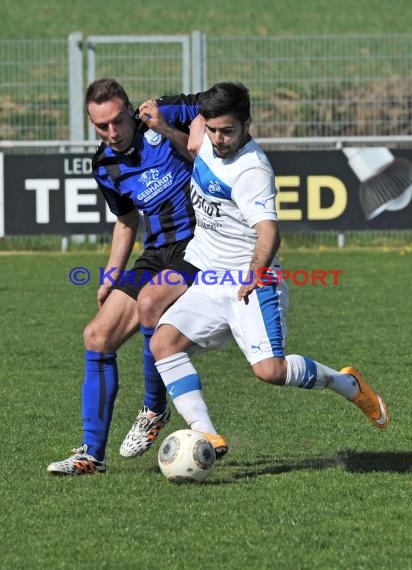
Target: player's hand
x,y
248,288
102,293
244,292
150,114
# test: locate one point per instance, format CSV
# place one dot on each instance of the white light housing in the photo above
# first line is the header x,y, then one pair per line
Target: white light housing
x,y
367,162
386,181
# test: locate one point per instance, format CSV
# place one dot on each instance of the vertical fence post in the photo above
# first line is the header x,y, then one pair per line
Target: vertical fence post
x,y
199,65
186,64
91,76
76,86
1,195
205,82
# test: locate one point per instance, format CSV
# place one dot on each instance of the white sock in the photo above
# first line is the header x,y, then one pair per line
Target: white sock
x,y
184,387
303,372
343,384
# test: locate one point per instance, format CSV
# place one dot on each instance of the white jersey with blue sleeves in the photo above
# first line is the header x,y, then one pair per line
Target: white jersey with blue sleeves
x,y
229,197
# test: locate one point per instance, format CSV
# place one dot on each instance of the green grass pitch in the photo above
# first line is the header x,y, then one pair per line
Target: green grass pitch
x,y
59,18
308,482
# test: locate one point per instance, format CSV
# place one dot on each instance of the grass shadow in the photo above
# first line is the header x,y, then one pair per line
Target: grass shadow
x,y
351,461
399,462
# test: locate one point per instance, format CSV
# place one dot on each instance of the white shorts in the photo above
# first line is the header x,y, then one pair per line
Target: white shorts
x,y
210,316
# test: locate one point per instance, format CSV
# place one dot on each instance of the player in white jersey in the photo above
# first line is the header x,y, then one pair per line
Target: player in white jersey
x,y
226,210
233,192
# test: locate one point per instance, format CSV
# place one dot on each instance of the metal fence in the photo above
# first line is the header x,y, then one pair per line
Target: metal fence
x,y
34,89
311,86
147,66
318,86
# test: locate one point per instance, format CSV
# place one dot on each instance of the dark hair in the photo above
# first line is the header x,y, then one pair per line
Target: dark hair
x,y
225,98
103,90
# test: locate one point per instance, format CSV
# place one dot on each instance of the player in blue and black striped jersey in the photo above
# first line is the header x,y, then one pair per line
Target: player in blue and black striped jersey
x,y
143,169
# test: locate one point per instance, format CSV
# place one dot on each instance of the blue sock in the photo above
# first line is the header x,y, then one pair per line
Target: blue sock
x,y
155,390
99,393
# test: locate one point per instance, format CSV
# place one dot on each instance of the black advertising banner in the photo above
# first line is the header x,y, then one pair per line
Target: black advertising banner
x,y
53,194
318,190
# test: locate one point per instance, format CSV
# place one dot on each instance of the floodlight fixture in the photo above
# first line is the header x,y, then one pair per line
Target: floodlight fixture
x,y
386,181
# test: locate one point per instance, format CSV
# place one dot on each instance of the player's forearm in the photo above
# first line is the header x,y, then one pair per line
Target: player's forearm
x,y
265,248
179,140
196,135
267,244
123,239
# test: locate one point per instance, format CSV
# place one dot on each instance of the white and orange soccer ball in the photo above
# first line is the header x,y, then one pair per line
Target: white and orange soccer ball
x,y
186,456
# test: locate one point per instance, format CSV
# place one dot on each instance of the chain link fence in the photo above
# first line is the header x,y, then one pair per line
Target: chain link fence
x,y
317,86
310,86
34,90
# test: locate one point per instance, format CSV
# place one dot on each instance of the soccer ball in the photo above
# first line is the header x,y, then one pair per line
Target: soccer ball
x,y
185,456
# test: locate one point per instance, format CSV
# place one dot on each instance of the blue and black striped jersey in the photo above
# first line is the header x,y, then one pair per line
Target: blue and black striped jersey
x,y
152,176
